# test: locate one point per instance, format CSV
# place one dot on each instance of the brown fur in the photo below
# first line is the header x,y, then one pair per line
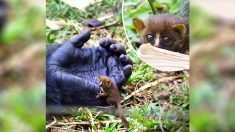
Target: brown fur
x,y
166,25
112,94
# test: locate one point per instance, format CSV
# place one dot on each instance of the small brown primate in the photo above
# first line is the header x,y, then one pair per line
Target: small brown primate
x,y
110,91
164,31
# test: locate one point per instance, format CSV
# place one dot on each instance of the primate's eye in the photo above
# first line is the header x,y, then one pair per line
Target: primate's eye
x,y
149,37
166,39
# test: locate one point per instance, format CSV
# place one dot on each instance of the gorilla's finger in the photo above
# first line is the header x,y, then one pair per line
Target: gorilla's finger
x,y
127,70
106,42
117,49
50,49
125,60
79,40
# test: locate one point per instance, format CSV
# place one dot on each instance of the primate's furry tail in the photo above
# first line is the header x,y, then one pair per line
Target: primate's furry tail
x,y
126,123
120,115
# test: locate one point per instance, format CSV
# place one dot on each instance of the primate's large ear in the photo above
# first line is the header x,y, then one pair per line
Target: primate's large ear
x,y
180,29
138,24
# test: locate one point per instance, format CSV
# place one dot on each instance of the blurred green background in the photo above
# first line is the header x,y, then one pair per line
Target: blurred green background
x,y
212,56
22,72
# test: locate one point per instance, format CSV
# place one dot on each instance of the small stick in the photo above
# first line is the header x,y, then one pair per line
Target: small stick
x,y
151,5
105,26
52,123
100,112
88,123
150,85
160,118
53,127
126,104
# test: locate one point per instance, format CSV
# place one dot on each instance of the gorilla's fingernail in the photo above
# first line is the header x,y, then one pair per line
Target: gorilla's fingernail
x,y
123,57
84,36
113,48
109,39
102,42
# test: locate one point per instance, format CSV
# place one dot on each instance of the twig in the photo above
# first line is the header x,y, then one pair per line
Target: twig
x,y
151,5
99,112
52,123
126,104
150,85
160,118
88,123
179,129
53,127
105,26
122,130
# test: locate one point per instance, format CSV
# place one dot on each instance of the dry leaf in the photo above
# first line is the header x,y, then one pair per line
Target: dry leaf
x,y
105,17
163,60
80,4
55,24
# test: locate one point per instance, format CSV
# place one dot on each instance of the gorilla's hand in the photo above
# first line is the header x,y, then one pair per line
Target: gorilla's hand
x,y
72,71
